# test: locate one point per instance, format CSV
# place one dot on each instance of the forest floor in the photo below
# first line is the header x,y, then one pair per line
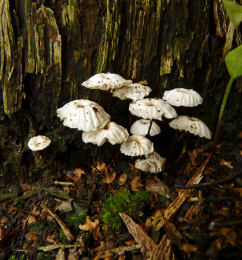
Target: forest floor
x,y
75,213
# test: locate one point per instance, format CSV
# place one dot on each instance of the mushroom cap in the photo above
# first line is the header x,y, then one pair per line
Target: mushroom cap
x,y
151,108
106,81
141,127
39,142
112,132
84,115
182,97
192,125
153,163
133,91
136,145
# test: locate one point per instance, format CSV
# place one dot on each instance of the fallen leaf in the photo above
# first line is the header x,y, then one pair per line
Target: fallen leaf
x,y
135,184
65,206
146,243
159,187
61,254
122,179
89,226
109,178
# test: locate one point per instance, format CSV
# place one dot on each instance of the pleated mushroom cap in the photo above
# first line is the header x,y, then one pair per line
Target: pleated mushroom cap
x,y
141,127
136,145
192,125
182,97
38,143
84,115
112,132
153,163
151,108
133,91
106,81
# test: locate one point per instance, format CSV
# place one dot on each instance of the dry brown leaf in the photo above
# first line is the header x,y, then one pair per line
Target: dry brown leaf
x,y
226,163
188,249
31,220
122,179
65,206
157,186
89,226
26,186
76,175
146,243
109,178
135,184
133,169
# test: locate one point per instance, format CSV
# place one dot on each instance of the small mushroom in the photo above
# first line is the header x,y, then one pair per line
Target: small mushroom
x,y
112,132
84,115
136,145
106,81
38,143
133,91
192,125
182,97
141,127
151,108
153,163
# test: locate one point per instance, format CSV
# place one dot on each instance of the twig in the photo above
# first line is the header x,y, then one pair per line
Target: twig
x,y
64,228
203,185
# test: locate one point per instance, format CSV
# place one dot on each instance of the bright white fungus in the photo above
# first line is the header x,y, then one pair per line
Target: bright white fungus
x,y
153,163
136,145
192,125
141,127
106,81
182,97
133,91
39,142
84,115
112,132
152,108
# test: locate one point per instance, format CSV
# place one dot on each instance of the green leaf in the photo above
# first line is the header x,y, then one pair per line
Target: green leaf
x,y
234,11
234,62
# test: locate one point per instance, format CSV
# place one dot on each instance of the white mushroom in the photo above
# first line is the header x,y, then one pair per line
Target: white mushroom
x,y
182,97
133,91
192,125
153,163
136,145
112,132
39,142
141,127
151,108
84,115
106,81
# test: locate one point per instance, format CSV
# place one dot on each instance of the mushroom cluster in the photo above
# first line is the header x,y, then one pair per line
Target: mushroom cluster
x,y
94,121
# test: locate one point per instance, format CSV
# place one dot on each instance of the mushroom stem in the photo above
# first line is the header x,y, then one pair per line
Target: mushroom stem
x,y
108,100
151,121
225,98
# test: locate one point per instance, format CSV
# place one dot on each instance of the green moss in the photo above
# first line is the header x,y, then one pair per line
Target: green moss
x,y
43,227
123,202
73,220
44,256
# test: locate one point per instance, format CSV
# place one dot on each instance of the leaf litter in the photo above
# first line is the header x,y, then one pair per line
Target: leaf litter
x,y
64,219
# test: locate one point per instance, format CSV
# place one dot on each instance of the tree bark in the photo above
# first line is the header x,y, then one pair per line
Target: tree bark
x,y
49,47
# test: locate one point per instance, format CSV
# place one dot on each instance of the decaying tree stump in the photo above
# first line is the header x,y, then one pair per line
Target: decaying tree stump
x,y
49,47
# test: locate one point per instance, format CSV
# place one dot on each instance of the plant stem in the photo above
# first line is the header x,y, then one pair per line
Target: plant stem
x,y
226,94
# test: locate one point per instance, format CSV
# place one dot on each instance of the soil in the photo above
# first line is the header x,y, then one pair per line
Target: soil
x,y
61,216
